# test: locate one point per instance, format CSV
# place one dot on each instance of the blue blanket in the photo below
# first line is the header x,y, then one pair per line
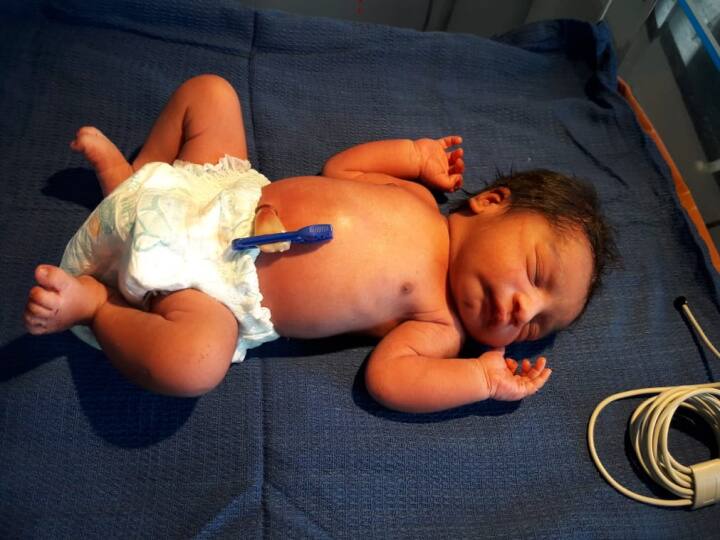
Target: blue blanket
x,y
290,444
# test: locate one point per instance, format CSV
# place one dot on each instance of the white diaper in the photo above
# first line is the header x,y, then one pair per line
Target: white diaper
x,y
170,227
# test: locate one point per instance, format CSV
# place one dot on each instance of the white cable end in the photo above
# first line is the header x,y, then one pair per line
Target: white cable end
x,y
707,483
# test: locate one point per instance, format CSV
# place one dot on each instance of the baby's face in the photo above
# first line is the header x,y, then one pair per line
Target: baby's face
x,y
516,278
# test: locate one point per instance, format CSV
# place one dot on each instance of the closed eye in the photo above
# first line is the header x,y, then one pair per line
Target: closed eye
x,y
535,329
530,275
532,270
527,332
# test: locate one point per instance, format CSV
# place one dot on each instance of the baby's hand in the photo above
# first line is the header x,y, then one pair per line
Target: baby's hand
x,y
439,168
503,381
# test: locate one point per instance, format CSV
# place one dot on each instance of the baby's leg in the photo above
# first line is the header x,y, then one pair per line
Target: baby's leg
x,y
182,347
201,122
110,165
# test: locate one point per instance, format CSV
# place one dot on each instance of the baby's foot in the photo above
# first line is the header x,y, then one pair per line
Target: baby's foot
x,y
110,165
60,300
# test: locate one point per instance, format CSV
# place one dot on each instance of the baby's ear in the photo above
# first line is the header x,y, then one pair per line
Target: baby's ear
x,y
490,200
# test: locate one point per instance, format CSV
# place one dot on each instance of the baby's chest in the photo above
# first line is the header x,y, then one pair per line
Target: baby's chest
x,y
387,247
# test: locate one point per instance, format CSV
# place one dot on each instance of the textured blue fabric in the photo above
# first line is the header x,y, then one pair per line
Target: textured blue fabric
x,y
290,444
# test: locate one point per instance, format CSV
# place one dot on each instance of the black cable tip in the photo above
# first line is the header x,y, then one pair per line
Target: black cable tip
x,y
679,302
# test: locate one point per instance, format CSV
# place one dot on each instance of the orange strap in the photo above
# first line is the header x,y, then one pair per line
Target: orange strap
x,y
680,186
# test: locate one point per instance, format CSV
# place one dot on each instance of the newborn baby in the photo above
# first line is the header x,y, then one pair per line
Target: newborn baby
x,y
517,262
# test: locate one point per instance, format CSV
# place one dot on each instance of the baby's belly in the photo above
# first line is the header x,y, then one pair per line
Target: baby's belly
x,y
309,298
374,272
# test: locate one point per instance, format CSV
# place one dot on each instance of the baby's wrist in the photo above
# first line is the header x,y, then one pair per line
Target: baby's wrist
x,y
486,388
417,156
421,149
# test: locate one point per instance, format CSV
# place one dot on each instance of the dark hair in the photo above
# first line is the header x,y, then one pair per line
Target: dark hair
x,y
568,204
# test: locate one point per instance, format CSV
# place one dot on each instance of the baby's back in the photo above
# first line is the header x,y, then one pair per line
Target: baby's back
x,y
387,261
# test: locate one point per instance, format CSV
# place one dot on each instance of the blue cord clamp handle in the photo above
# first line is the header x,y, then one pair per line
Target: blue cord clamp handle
x,y
306,235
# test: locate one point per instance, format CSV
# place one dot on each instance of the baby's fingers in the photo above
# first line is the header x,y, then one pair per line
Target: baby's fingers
x,y
538,368
450,140
538,376
457,167
541,378
533,378
531,384
457,181
528,370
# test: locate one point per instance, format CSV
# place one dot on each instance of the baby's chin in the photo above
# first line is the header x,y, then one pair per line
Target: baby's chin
x,y
495,343
491,339
489,336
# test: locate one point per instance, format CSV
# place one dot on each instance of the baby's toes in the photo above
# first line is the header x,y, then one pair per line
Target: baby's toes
x,y
35,326
89,131
36,318
52,278
79,143
34,309
32,320
85,135
45,299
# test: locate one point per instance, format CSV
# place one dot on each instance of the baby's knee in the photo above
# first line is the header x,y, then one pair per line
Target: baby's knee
x,y
211,88
190,371
198,344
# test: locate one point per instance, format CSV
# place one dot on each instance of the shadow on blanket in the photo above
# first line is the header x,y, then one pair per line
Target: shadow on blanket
x,y
77,185
119,411
116,409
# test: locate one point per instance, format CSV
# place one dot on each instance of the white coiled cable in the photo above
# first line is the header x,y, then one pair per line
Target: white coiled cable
x,y
697,485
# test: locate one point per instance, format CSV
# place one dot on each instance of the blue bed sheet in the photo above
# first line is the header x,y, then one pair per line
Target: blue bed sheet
x,y
290,444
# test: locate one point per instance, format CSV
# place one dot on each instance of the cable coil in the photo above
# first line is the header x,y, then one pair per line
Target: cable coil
x,y
697,485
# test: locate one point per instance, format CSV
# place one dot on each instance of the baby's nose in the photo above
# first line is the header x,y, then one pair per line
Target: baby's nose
x,y
525,307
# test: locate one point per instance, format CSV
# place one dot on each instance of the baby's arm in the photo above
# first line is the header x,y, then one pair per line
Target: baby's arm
x,y
413,369
386,161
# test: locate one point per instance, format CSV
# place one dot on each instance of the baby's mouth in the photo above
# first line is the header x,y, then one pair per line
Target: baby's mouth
x,y
495,316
